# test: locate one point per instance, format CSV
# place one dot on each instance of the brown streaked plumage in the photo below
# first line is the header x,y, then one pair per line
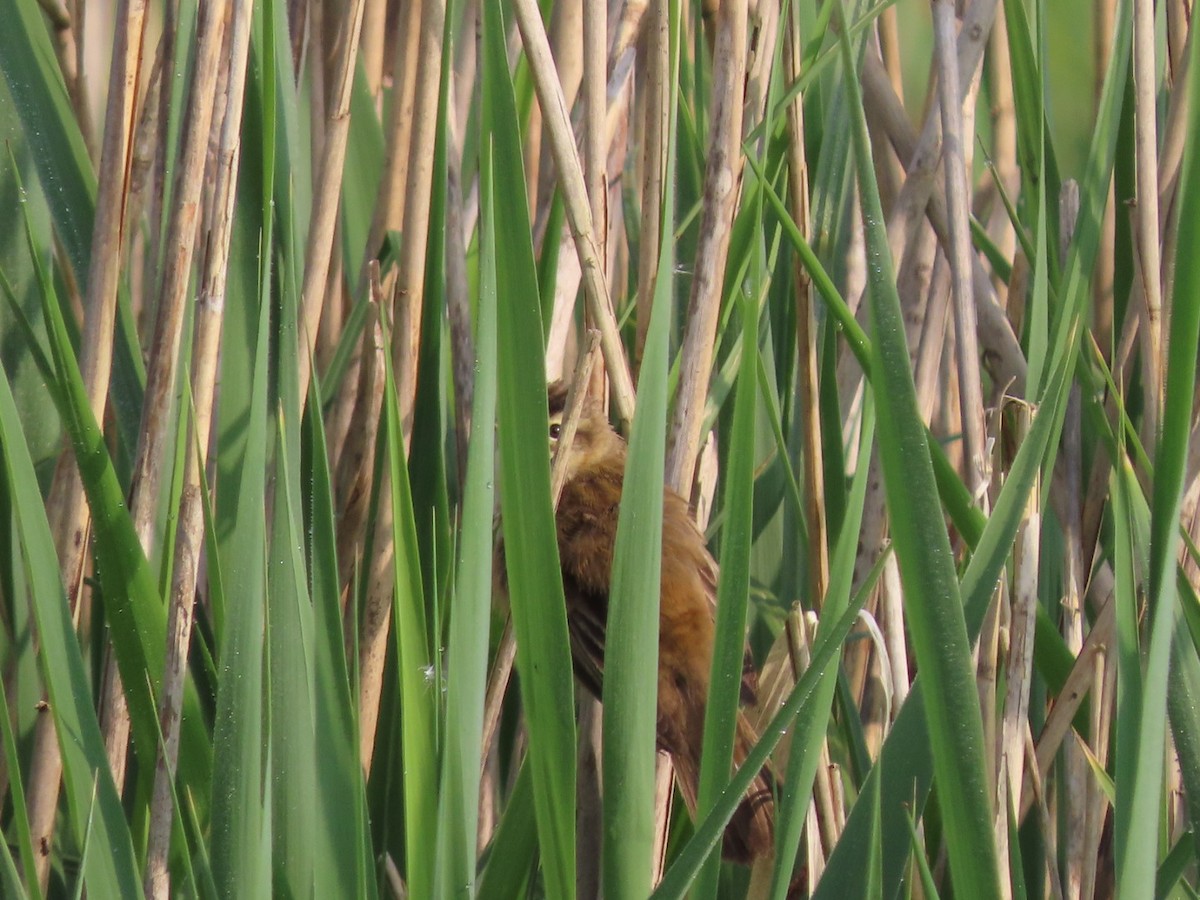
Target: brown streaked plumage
x,y
587,527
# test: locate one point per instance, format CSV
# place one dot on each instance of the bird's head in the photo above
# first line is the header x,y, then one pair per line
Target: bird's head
x,y
595,440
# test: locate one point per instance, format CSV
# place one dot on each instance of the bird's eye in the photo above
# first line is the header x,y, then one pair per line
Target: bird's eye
x,y
555,430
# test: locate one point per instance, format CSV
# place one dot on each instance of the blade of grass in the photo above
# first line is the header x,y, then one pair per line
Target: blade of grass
x,y
811,727
417,687
1141,725
339,776
535,582
458,817
631,644
933,604
111,870
239,795
721,711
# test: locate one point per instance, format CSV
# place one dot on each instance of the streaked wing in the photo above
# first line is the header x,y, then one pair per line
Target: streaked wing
x,y
586,618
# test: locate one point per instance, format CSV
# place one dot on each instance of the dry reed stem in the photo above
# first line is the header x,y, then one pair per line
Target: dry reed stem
x,y
541,66
888,29
1019,668
464,70
1145,212
1101,727
210,307
1079,682
66,30
1075,772
497,686
595,142
570,271
1050,852
144,200
374,39
66,508
825,806
323,223
418,194
567,43
1003,116
410,295
960,252
722,184
932,340
389,208
1002,354
664,797
1174,136
654,89
157,427
986,676
114,711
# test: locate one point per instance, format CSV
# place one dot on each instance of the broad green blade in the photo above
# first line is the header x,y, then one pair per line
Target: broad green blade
x,y
110,869
534,575
240,793
933,605
470,612
720,715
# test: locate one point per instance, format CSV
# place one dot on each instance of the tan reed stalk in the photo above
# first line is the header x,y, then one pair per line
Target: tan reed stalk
x,y
157,424
960,252
322,225
541,66
66,508
1145,214
722,185
210,308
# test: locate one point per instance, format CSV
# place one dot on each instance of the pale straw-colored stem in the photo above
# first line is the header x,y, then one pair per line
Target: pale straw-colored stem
x,y
66,508
1002,354
374,40
410,296
1145,213
210,307
1079,681
722,185
389,206
1075,768
328,193
570,173
595,137
157,424
1019,665
417,197
960,252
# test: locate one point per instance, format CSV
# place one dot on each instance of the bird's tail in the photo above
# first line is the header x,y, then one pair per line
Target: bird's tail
x,y
750,834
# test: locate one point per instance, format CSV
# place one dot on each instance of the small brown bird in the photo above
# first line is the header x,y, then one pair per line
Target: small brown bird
x,y
587,529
